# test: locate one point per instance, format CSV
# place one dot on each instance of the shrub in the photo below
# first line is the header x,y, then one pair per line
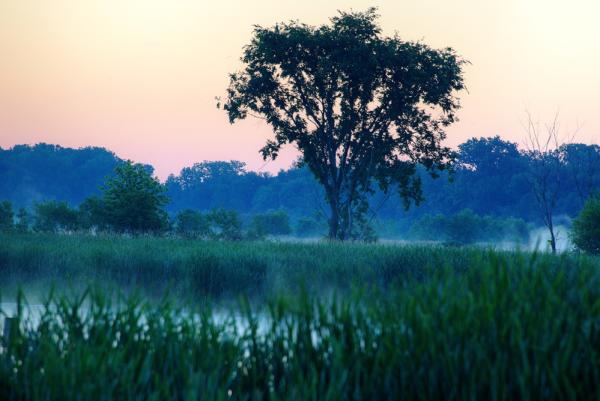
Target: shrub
x,y
6,216
225,224
54,216
585,233
191,223
92,214
466,227
272,223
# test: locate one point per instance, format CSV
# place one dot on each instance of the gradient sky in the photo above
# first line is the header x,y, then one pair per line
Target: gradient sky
x,y
140,76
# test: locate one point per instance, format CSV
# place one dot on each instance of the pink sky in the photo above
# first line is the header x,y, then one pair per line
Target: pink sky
x,y
139,77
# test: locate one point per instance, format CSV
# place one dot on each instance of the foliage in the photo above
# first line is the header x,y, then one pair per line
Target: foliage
x,y
225,224
466,227
23,220
33,173
92,214
502,330
134,201
191,223
272,223
490,178
54,216
360,107
208,185
307,227
585,233
159,264
7,216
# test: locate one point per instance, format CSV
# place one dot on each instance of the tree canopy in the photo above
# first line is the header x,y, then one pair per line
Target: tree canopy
x,y
362,108
134,200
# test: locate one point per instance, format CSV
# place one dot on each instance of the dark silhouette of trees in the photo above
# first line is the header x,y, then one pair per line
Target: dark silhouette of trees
x,y
29,174
491,177
582,165
133,200
586,226
7,216
363,109
54,216
192,224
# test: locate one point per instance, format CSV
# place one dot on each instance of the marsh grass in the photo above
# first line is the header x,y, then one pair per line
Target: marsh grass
x,y
223,270
520,328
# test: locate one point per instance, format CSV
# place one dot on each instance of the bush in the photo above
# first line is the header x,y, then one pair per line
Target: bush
x,y
54,216
466,227
6,216
271,223
225,224
92,214
585,233
191,223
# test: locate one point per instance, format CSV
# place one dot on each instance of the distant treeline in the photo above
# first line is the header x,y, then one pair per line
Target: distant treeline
x,y
490,178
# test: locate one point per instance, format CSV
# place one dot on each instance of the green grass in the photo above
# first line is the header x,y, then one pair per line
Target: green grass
x,y
422,323
521,331
223,270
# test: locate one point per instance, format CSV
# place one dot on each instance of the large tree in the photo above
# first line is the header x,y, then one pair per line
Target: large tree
x,y
363,109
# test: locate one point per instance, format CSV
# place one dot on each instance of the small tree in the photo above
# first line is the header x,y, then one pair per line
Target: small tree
x,y
191,223
585,233
362,108
92,214
134,200
7,216
272,223
464,227
544,151
55,216
225,224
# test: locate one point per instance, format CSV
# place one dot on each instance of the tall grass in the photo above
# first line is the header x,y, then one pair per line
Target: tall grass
x,y
519,328
225,270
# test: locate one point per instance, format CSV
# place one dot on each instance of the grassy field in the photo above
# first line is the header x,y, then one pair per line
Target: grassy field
x,y
323,322
224,270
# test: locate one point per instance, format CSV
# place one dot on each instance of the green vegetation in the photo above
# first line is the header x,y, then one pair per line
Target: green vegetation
x,y
215,269
307,227
488,326
272,223
134,201
365,111
586,227
55,216
466,227
192,223
7,216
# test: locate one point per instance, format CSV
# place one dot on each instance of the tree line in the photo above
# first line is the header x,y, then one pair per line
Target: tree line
x,y
491,177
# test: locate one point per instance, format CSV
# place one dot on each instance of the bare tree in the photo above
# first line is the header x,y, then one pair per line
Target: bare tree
x,y
543,146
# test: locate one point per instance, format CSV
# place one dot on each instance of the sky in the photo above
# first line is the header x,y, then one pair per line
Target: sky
x,y
140,77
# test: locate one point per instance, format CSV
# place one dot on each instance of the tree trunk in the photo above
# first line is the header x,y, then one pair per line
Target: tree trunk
x,y
334,221
552,236
339,221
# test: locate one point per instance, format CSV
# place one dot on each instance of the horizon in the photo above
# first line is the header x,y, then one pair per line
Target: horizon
x,y
140,78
